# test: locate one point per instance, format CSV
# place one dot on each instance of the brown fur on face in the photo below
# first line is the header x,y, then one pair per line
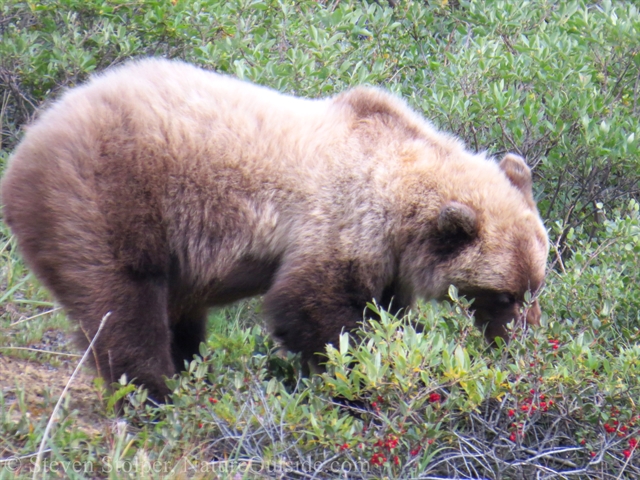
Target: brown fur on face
x,y
158,190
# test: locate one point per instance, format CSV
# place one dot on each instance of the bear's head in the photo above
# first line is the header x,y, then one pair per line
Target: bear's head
x,y
486,238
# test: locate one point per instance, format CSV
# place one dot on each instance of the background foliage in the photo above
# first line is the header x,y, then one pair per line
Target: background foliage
x,y
558,82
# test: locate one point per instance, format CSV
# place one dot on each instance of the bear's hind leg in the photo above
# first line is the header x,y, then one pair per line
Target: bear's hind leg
x,y
135,339
94,263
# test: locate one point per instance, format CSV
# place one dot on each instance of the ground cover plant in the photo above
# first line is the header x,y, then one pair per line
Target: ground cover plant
x,y
558,83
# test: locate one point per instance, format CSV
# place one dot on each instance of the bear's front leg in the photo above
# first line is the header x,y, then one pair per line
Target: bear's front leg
x,y
310,305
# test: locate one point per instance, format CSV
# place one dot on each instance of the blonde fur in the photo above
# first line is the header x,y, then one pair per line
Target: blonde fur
x,y
159,189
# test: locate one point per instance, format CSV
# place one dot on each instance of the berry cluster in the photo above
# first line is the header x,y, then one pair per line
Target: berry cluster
x,y
555,344
530,405
386,445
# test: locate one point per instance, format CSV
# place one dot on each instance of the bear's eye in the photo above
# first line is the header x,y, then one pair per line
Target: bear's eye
x,y
505,299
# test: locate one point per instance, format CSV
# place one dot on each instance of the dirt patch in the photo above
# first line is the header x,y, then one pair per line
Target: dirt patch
x,y
40,384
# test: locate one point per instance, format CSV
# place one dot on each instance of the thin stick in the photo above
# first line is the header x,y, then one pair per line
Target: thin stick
x,y
34,316
57,407
23,457
41,351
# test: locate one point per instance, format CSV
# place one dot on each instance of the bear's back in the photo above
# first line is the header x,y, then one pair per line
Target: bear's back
x,y
175,109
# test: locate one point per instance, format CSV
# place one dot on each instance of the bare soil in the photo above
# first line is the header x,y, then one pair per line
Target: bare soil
x,y
38,381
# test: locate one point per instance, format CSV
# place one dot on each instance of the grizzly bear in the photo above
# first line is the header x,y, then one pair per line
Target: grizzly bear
x,y
158,190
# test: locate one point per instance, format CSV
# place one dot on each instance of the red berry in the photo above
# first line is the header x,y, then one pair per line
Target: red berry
x,y
434,397
512,437
212,400
511,412
626,453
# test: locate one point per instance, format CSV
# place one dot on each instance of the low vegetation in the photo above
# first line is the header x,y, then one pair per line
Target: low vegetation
x,y
558,82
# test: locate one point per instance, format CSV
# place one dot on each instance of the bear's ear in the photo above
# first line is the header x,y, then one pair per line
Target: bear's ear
x,y
519,174
457,222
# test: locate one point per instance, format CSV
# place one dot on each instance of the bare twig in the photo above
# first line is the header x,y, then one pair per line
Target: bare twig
x,y
54,414
35,316
41,351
